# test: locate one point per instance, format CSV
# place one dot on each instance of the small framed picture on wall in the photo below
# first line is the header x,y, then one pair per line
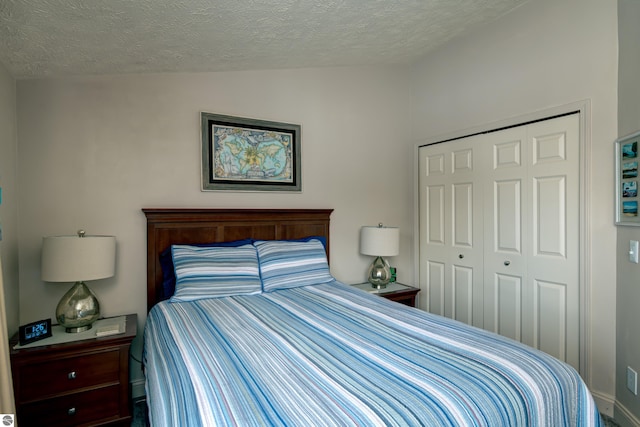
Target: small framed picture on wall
x,y
627,180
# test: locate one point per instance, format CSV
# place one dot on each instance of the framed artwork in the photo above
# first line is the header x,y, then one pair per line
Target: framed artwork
x,y
627,180
241,154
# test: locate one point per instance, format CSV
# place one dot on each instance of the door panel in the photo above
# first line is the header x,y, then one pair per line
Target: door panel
x,y
504,256
436,290
555,239
435,165
550,314
451,233
550,217
462,161
507,154
436,209
462,296
507,296
549,148
507,218
463,214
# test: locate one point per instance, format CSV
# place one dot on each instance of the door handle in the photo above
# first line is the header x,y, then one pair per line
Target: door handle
x,y
460,256
507,262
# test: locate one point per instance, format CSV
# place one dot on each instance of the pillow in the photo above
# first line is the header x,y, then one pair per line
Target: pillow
x,y
322,240
211,272
168,272
290,264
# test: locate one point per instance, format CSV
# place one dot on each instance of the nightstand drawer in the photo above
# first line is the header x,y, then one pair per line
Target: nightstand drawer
x,y
73,409
48,378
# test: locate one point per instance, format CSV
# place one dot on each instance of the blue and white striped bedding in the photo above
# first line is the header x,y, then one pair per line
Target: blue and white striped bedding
x,y
205,272
330,354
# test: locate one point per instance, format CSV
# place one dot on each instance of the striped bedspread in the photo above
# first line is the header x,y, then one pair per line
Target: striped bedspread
x,y
329,354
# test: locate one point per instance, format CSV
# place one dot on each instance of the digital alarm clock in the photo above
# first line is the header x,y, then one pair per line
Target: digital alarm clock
x,y
35,331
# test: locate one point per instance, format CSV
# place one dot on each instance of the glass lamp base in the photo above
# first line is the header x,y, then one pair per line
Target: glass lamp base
x,y
78,309
379,273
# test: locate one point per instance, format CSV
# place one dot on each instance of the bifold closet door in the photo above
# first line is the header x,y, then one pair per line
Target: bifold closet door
x,y
451,230
499,233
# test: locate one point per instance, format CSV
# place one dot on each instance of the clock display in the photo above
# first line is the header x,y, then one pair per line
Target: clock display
x,y
35,331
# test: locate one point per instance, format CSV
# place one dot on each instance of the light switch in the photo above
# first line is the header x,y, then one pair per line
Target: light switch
x,y
632,380
633,251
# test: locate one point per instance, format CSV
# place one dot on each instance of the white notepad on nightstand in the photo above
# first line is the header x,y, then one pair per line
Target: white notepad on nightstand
x,y
117,326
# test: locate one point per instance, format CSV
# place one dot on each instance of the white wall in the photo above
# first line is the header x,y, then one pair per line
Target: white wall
x,y
628,283
9,206
93,151
543,55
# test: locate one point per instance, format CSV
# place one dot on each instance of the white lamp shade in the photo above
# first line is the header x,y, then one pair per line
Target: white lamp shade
x,y
380,241
74,258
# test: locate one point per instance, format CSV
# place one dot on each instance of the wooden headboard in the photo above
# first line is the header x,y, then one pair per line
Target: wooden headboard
x,y
166,227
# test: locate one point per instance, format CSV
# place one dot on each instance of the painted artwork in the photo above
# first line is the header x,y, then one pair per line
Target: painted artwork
x,y
627,180
629,170
251,155
240,154
630,150
630,208
630,189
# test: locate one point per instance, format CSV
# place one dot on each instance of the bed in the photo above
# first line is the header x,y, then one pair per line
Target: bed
x,y
297,347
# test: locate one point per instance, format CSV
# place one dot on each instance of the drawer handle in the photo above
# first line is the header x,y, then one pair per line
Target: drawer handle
x,y
72,375
71,411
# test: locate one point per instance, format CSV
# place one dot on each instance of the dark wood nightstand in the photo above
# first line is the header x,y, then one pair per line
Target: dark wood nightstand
x,y
395,291
74,383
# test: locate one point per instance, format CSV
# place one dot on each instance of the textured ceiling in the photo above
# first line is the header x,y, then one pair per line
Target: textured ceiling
x,y
45,38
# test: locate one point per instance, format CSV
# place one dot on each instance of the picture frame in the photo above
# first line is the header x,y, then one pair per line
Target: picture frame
x,y
626,181
243,154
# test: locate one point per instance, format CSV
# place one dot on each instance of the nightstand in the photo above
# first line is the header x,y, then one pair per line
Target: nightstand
x,y
81,382
404,294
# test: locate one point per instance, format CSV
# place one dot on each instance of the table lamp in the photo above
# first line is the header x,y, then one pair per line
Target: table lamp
x,y
379,241
76,259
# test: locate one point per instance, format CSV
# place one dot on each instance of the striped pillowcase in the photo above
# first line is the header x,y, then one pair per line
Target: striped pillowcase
x,y
290,264
211,272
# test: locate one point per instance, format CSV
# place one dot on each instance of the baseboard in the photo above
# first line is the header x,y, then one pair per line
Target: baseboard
x,y
604,402
624,417
137,389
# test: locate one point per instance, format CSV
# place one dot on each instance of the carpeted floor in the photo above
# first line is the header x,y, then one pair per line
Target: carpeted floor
x,y
609,422
139,413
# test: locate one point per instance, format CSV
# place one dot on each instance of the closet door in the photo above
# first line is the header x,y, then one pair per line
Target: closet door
x,y
517,202
554,264
451,230
532,236
506,232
